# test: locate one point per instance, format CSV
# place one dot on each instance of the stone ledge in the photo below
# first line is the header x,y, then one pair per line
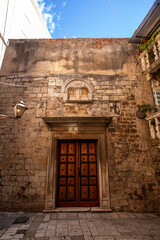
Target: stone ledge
x,y
78,209
79,121
79,101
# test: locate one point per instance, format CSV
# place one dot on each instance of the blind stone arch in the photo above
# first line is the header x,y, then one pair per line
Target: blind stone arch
x,y
77,90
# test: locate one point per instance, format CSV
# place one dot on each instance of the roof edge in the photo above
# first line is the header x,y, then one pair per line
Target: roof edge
x,y
135,38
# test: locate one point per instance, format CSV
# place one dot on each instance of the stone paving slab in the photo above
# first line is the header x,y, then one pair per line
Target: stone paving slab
x,y
81,226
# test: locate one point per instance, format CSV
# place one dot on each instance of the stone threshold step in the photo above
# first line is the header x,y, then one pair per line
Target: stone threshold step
x,y
78,209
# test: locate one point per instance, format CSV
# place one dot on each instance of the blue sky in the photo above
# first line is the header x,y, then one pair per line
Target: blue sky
x,y
93,18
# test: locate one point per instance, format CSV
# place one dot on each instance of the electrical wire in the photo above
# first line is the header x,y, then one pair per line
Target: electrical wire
x,y
5,24
115,18
6,19
18,85
11,84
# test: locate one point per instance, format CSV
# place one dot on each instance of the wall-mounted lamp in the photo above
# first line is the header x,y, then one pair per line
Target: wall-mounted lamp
x,y
19,109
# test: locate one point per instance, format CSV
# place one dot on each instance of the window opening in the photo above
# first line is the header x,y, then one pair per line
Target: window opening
x,y
78,94
157,93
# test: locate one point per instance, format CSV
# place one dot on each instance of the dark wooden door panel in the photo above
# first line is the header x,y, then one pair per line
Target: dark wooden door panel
x,y
92,181
71,170
71,193
84,181
92,158
71,148
63,148
66,188
92,148
84,169
84,193
84,148
63,169
93,192
62,181
71,181
62,192
84,158
77,174
63,159
71,159
92,169
88,177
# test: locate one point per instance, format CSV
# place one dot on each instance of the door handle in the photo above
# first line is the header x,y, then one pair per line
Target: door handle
x,y
79,171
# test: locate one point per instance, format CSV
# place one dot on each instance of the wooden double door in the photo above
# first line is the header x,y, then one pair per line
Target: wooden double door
x,y
77,183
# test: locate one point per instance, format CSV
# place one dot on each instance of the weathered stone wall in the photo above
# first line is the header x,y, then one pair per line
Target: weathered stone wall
x,y
37,73
67,56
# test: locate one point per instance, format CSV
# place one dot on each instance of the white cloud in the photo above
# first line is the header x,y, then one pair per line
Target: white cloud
x,y
41,8
39,1
59,26
58,16
64,4
41,5
47,16
52,28
48,8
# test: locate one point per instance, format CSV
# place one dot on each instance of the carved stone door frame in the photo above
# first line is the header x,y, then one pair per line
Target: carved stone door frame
x,y
78,128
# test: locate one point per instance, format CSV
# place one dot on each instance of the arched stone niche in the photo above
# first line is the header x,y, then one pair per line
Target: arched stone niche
x,y
77,90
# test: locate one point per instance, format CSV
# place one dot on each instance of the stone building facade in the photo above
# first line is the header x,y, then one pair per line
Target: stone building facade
x,y
82,97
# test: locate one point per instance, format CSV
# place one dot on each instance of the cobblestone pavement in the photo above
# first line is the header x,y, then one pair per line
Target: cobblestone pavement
x,y
80,226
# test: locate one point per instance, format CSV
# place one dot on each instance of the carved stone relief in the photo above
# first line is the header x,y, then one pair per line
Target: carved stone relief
x,y
115,107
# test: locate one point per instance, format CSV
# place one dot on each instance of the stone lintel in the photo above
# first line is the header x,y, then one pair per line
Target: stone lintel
x,y
77,121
